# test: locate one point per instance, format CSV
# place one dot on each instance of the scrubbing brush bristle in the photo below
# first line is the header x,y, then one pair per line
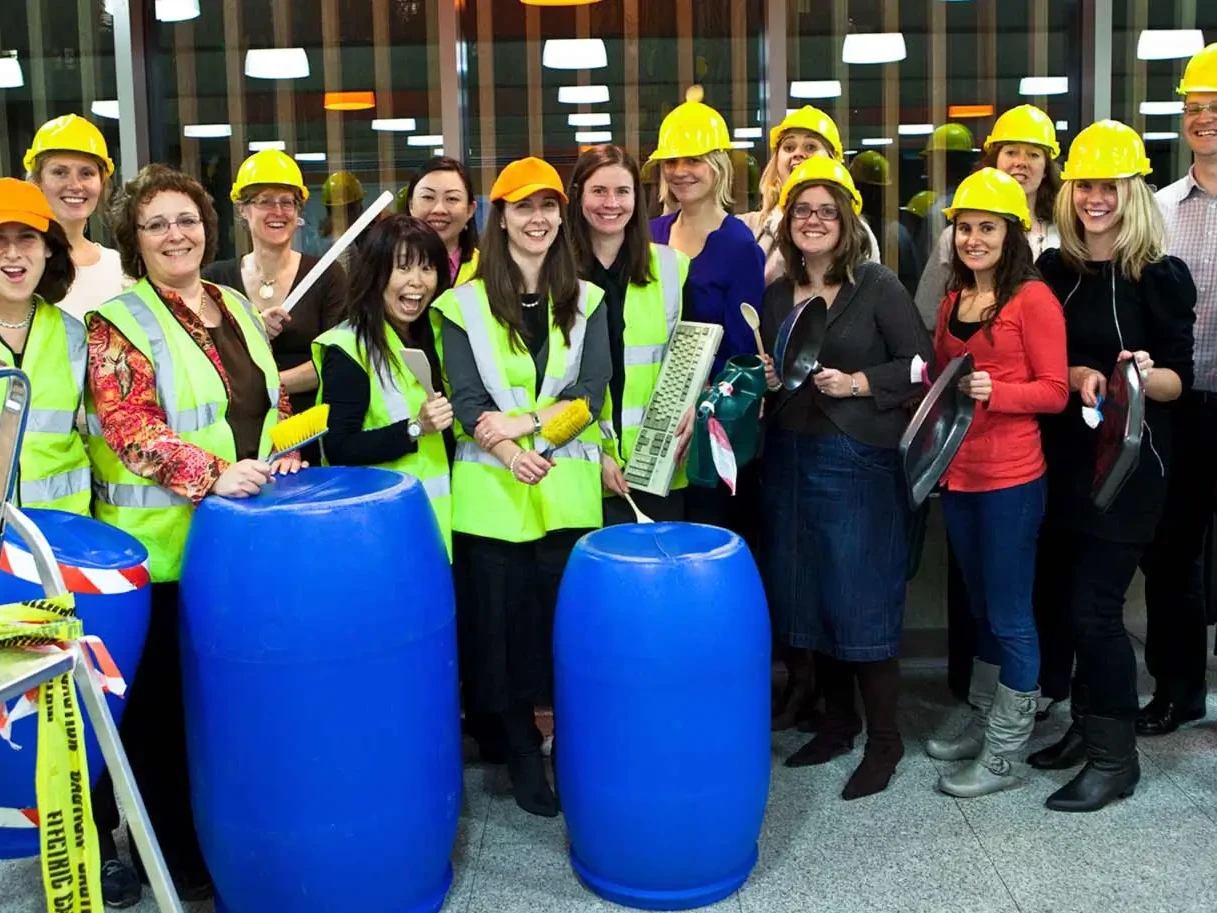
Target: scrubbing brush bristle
x,y
567,424
298,430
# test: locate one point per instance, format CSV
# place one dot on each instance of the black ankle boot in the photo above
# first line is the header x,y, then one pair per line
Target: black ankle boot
x,y
530,787
1112,769
1069,751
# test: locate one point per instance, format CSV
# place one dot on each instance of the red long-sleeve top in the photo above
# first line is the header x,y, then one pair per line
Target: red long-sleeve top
x,y
1027,363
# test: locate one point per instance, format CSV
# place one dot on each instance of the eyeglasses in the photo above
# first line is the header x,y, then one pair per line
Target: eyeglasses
x,y
1194,109
287,205
825,213
158,226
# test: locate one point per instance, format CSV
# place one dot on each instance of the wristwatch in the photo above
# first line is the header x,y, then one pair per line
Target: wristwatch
x,y
414,428
854,389
536,423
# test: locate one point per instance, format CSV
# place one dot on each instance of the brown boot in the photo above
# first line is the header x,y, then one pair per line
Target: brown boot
x,y
797,703
880,686
841,723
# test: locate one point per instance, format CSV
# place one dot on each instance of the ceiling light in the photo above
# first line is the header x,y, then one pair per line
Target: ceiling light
x,y
10,72
1161,107
394,124
437,152
583,95
558,2
276,63
177,10
262,145
594,136
851,151
1151,137
749,132
1168,44
915,129
878,141
742,144
1043,85
1062,125
816,88
878,47
599,119
959,112
431,139
574,54
105,108
310,156
350,101
207,131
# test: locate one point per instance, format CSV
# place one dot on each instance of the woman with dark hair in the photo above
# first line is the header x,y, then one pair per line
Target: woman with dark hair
x,y
441,194
183,391
836,516
380,413
521,341
1008,320
47,344
1023,144
642,285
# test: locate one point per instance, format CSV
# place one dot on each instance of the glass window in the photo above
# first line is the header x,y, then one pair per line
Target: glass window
x,y
547,81
1151,45
350,90
55,58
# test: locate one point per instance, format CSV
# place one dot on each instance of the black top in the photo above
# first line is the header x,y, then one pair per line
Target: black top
x,y
873,327
323,307
615,281
963,330
1105,313
536,334
247,398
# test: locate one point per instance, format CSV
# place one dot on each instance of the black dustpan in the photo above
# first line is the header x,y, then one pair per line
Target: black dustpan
x,y
937,430
796,350
1118,449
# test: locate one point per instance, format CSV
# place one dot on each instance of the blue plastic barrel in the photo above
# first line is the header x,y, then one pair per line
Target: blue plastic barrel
x,y
107,570
320,682
661,651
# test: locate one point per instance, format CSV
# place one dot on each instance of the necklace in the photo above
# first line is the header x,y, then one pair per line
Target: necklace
x,y
267,290
23,324
1038,236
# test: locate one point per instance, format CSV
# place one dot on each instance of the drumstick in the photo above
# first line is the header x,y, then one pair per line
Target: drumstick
x,y
328,258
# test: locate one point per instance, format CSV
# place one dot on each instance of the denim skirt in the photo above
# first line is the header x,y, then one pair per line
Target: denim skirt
x,y
836,544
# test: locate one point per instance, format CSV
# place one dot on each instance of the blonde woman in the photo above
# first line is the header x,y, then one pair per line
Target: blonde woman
x,y
804,133
1124,300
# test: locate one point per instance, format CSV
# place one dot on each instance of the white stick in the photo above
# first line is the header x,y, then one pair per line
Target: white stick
x,y
348,236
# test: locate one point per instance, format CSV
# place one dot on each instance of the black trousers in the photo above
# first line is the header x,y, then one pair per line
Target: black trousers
x,y
738,512
1085,579
1175,646
671,508
1052,619
153,732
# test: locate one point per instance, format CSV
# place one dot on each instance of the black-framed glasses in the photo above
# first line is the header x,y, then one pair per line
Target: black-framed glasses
x,y
160,226
825,213
1194,109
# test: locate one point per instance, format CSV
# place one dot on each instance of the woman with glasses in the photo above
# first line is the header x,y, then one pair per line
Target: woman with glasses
x,y
441,195
182,393
836,516
269,193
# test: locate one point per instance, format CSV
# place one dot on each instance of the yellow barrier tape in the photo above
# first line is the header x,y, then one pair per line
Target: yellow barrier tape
x,y
70,859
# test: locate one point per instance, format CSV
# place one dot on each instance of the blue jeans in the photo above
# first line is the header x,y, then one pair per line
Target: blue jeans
x,y
994,534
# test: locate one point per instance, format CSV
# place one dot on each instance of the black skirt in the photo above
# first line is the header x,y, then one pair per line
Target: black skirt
x,y
506,593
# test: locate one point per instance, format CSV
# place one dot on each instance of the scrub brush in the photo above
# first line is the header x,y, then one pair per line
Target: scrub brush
x,y
298,430
566,426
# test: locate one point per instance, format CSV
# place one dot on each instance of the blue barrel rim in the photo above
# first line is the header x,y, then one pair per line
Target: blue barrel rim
x,y
120,550
291,491
588,544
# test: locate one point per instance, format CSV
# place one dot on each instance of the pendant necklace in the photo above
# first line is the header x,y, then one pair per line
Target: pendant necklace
x,y
267,290
24,323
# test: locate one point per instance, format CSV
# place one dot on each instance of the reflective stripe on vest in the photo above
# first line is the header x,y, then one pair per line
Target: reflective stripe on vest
x,y
63,485
122,495
50,421
483,352
469,452
669,283
438,486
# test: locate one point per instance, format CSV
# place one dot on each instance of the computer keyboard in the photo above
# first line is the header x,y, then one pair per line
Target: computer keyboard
x,y
686,366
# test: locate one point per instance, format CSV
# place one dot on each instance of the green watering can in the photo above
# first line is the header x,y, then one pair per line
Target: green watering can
x,y
735,400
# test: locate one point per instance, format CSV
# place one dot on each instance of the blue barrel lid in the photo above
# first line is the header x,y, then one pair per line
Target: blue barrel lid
x,y
81,541
326,487
660,542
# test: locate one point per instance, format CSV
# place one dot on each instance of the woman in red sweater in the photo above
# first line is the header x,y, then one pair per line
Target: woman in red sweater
x,y
1000,312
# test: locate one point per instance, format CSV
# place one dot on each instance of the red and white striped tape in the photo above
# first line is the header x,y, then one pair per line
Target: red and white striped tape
x,y
19,817
81,580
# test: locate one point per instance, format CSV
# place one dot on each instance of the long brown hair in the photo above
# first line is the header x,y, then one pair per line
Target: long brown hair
x,y
1050,186
504,282
637,242
1015,269
852,246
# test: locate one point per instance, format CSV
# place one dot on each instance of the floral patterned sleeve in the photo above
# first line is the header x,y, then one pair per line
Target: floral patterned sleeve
x,y
123,384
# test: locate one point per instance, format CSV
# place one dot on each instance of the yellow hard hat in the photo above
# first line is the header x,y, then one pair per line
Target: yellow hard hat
x,y
1201,72
270,166
341,189
813,120
691,129
1107,150
950,138
69,133
991,190
920,203
871,167
1025,124
821,170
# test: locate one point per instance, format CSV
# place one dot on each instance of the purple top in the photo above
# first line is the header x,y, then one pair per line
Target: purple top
x,y
729,271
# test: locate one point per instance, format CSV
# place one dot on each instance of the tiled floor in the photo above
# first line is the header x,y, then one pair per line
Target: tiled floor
x,y
909,849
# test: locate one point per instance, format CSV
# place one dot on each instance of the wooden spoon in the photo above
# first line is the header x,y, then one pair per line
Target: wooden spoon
x,y
753,319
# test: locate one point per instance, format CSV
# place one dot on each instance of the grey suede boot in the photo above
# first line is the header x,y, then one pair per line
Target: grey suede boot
x,y
968,743
1011,719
